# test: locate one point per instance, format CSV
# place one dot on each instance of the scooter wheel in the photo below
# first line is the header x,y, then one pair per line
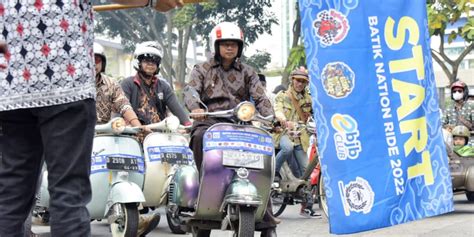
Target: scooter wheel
x,y
201,233
470,196
129,226
174,224
278,203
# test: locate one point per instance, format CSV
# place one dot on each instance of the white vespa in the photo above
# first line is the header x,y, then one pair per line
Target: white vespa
x,y
166,150
117,175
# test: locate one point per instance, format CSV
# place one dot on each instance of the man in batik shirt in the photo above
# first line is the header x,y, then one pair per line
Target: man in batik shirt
x,y
47,109
222,83
150,96
110,97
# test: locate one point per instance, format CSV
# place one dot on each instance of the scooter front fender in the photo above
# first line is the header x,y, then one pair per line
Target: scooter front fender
x,y
241,192
124,192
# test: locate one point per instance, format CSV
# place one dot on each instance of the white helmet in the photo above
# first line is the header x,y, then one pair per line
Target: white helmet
x,y
150,49
226,31
99,50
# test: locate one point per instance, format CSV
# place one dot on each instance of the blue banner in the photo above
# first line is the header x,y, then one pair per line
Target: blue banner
x,y
238,140
376,108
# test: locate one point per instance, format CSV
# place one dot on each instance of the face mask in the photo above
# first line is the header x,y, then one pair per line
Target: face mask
x,y
457,96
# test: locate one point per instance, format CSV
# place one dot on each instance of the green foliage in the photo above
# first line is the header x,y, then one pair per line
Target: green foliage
x,y
443,13
146,24
132,26
467,31
297,57
258,61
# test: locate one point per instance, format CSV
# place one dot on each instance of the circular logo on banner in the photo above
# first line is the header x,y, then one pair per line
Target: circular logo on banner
x,y
331,27
357,196
338,79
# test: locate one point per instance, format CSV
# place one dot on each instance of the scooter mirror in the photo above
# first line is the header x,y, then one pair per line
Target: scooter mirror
x,y
193,96
190,92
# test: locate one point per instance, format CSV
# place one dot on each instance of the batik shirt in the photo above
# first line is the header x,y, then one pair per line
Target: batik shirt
x,y
110,99
222,90
147,109
49,59
451,115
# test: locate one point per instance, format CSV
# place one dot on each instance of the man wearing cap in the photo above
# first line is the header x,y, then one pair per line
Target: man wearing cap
x,y
293,106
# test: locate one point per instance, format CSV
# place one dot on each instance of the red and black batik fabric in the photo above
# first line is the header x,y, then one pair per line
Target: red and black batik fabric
x,y
50,58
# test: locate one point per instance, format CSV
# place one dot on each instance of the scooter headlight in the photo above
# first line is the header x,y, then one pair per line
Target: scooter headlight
x,y
118,125
245,111
172,123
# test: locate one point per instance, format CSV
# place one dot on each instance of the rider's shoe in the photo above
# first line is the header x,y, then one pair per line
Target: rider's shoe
x,y
147,223
307,212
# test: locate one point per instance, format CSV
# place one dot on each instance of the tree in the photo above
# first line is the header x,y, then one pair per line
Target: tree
x,y
442,14
297,52
258,61
191,21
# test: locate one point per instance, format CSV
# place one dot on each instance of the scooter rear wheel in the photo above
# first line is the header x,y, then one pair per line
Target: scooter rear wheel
x,y
322,200
278,203
173,224
129,227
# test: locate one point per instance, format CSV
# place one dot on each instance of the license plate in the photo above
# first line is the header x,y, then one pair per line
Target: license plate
x,y
242,159
122,163
175,158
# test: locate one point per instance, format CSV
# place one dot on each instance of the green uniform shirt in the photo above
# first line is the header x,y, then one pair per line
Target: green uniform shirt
x,y
284,106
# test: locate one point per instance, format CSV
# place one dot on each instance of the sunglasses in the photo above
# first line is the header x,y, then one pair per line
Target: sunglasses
x,y
459,90
302,81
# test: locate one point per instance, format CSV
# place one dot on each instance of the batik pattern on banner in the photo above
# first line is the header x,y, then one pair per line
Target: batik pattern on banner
x,y
376,109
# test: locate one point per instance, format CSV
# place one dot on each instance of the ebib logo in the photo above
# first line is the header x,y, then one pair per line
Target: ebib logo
x,y
346,138
331,27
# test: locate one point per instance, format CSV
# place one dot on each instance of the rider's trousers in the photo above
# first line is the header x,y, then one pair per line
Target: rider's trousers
x,y
287,152
63,134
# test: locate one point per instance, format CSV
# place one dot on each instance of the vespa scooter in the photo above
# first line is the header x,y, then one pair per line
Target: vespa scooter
x,y
235,179
117,173
461,168
166,151
290,190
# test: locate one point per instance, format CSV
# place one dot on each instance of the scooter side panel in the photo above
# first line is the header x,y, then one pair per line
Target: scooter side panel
x,y
157,172
100,176
216,178
186,186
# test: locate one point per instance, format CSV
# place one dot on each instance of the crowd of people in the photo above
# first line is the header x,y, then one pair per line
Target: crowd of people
x,y
50,103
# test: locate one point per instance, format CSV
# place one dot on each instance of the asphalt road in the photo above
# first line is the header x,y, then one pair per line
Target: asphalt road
x,y
459,223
